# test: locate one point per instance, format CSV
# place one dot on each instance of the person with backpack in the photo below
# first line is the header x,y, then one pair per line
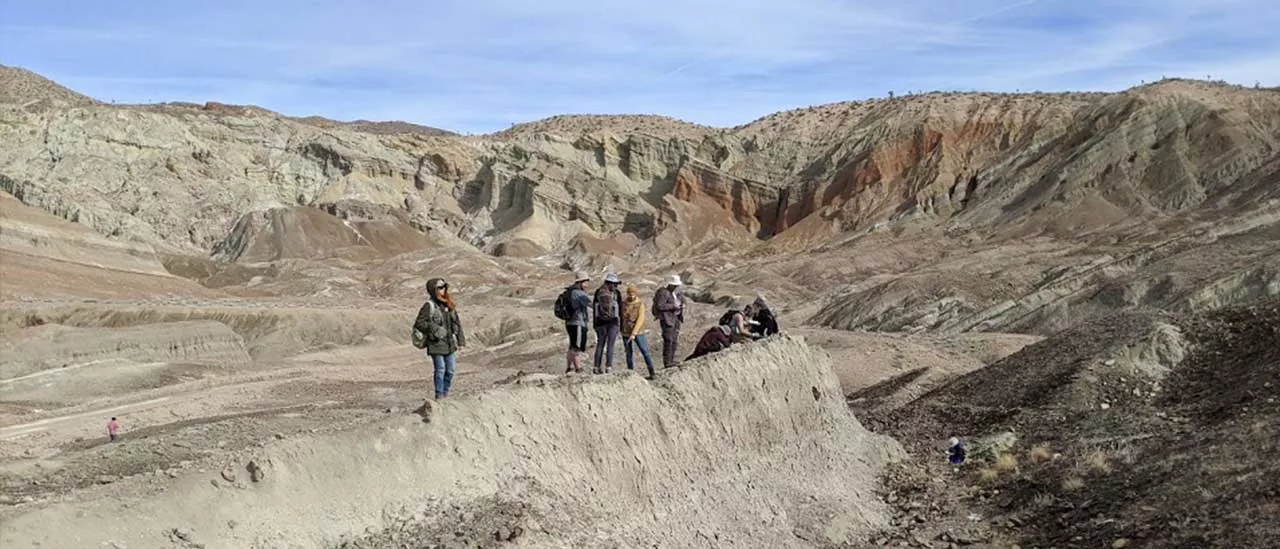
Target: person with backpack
x,y
668,307
438,330
633,329
739,323
573,307
607,307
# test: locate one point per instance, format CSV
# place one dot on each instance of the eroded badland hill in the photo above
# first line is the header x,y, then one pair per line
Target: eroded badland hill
x,y
1084,285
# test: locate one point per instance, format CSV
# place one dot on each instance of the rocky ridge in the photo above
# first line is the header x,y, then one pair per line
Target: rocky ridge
x,y
971,160
517,457
922,196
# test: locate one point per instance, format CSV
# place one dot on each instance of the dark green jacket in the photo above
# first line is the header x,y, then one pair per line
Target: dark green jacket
x,y
442,327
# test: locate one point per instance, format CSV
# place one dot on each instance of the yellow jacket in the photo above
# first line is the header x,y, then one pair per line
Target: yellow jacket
x,y
632,316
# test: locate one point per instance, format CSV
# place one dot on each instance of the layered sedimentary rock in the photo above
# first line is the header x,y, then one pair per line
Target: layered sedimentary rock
x,y
180,176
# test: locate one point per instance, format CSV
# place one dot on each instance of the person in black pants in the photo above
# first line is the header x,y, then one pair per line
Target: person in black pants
x,y
608,322
579,311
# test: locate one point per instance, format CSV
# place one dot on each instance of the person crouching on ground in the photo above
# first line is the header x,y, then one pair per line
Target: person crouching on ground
x,y
633,329
668,307
579,311
741,324
765,323
608,322
717,338
438,321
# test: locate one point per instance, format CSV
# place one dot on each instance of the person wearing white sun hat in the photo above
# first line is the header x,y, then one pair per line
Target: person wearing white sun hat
x,y
607,309
574,308
668,307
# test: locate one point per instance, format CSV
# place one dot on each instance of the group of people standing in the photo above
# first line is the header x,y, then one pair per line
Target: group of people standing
x,y
609,312
612,316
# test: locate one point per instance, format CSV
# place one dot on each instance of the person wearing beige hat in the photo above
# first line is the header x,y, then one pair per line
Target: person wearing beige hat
x,y
668,307
574,308
633,337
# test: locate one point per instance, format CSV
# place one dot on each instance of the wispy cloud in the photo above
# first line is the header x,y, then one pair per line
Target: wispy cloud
x,y
479,66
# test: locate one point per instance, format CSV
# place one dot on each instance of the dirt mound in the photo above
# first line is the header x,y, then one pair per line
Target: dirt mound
x,y
1133,431
1073,374
50,346
267,332
1046,285
43,255
751,446
23,87
304,232
391,127
572,125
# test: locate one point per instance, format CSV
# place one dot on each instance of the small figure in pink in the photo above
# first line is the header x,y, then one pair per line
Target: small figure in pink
x,y
112,427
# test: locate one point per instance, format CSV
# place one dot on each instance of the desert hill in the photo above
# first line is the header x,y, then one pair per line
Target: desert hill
x,y
1068,164
236,285
23,87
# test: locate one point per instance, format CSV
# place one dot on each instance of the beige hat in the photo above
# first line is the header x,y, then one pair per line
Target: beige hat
x,y
580,277
674,280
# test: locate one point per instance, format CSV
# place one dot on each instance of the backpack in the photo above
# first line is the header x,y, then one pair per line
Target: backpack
x,y
727,318
605,312
418,338
564,305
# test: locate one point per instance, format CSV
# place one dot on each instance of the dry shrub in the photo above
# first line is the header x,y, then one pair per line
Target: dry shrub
x,y
1072,484
1098,462
1041,453
987,475
381,284
510,329
1007,463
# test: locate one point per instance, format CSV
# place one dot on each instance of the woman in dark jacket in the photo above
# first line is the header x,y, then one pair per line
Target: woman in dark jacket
x,y
765,323
442,332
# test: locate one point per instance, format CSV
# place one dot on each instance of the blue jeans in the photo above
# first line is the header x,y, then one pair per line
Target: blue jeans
x,y
444,365
644,352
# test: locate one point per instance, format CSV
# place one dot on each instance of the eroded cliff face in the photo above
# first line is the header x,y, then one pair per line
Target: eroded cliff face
x,y
181,176
751,446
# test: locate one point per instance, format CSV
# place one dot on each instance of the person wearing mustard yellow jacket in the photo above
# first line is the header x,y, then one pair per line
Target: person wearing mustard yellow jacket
x,y
633,329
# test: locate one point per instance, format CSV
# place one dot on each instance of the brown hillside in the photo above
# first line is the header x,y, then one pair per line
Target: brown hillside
x,y
21,86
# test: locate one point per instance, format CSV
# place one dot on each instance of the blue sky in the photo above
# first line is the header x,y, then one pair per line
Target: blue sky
x,y
480,66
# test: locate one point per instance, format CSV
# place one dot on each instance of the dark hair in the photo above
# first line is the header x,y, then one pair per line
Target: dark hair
x,y
113,418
